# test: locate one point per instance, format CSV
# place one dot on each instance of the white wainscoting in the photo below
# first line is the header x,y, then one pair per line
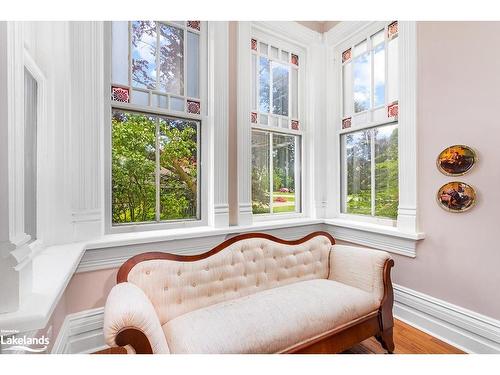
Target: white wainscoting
x,y
464,329
81,332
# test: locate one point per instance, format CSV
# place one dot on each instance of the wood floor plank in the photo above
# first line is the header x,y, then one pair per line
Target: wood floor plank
x,y
407,339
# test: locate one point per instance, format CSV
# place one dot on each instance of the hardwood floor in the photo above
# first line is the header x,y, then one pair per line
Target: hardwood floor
x,y
408,340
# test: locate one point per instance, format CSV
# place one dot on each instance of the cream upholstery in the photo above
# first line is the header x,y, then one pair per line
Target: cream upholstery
x,y
246,267
269,321
359,267
128,307
255,296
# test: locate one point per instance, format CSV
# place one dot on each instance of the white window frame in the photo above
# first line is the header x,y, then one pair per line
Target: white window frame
x,y
204,135
289,36
364,35
263,37
338,40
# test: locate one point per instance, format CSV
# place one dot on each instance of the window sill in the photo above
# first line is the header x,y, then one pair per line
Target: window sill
x,y
135,238
377,236
37,307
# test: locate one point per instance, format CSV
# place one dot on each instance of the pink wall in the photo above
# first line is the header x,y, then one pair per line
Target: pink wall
x,y
458,100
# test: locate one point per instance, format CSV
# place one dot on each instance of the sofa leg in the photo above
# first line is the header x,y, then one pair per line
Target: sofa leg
x,y
386,340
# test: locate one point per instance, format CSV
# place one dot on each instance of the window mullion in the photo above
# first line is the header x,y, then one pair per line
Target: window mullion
x,y
157,170
372,165
184,63
271,172
158,68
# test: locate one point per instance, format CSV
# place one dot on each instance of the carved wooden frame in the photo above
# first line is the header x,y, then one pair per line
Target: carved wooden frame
x,y
378,323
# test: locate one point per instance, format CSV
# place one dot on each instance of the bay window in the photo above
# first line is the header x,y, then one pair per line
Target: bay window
x,y
157,113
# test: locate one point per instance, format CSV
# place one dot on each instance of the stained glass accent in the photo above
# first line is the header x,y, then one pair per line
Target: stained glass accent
x,y
346,55
120,94
295,124
194,25
392,30
393,110
295,60
346,123
253,44
253,117
193,107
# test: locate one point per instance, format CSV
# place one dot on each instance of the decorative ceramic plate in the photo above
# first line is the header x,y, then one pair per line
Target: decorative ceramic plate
x,y
456,196
456,160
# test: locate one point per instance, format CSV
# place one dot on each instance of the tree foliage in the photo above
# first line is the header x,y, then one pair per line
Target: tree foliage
x,y
134,167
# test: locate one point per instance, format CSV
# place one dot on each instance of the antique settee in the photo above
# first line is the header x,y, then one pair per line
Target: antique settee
x,y
253,293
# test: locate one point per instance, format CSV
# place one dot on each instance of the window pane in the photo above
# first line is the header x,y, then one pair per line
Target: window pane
x,y
30,153
119,73
264,104
356,163
295,93
360,48
133,167
379,75
280,89
172,59
386,171
393,70
144,45
362,82
283,173
347,88
378,37
254,83
140,97
274,52
193,67
260,173
178,147
176,104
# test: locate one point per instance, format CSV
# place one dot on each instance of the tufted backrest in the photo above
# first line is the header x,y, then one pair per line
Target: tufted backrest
x,y
242,268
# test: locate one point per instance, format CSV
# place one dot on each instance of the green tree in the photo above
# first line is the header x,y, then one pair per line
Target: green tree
x,y
134,168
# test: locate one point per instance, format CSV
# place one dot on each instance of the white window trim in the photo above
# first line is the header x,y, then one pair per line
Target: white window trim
x,y
289,35
213,181
406,225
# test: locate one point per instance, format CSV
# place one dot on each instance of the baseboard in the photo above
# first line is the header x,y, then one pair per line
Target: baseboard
x,y
462,328
469,331
81,332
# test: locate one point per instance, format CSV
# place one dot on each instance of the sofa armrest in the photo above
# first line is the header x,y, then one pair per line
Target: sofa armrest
x,y
361,268
130,320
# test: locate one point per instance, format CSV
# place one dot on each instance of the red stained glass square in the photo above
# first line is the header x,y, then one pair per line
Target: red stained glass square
x,y
120,94
253,44
392,30
346,123
194,25
295,60
393,110
193,107
346,55
295,124
253,117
